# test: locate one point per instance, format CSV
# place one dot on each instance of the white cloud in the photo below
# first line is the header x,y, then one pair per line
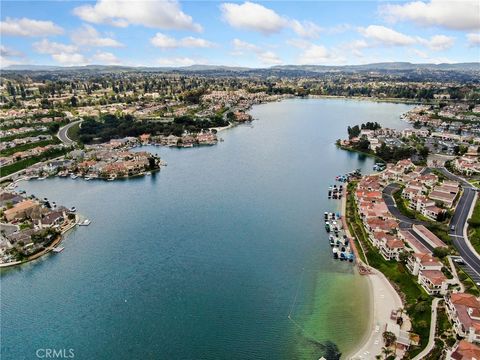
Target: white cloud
x,y
87,35
69,59
251,16
29,27
240,45
456,15
165,14
64,54
355,47
9,52
256,17
305,29
48,47
266,57
9,56
439,42
167,42
269,58
107,58
473,39
419,53
177,61
386,36
5,62
318,54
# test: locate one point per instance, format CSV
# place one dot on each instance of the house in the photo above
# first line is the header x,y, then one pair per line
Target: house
x,y
391,248
432,212
413,242
419,203
464,312
9,198
52,219
464,351
420,262
21,210
433,281
428,236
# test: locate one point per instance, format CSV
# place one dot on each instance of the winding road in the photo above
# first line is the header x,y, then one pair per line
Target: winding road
x,y
63,133
471,260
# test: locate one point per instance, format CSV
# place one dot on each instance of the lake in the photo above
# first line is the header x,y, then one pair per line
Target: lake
x,y
207,258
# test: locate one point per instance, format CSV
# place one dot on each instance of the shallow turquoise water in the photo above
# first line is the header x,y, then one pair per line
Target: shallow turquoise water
x,y
202,260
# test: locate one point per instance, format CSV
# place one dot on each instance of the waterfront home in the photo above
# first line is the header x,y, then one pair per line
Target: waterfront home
x,y
145,139
433,281
464,351
7,198
377,224
53,218
21,210
464,312
390,247
419,262
370,183
428,236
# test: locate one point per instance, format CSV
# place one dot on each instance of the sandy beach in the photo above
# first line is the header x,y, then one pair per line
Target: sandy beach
x,y
384,299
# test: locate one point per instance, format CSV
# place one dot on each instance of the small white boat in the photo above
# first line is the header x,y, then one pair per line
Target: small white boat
x,y
148,173
85,222
58,249
73,209
73,176
88,178
42,178
111,178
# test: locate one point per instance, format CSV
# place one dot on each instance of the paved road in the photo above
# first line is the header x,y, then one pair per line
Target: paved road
x,y
63,133
405,222
433,326
459,220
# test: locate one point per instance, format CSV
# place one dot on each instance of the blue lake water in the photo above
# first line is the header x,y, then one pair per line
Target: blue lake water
x,y
205,259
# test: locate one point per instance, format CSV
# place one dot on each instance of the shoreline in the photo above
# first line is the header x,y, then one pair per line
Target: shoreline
x,y
48,249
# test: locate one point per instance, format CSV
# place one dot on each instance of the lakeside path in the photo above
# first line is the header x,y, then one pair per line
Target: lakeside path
x,y
383,300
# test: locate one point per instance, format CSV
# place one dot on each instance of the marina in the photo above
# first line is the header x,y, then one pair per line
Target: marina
x,y
337,237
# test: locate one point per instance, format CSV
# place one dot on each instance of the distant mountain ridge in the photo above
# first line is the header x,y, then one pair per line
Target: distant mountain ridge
x,y
384,66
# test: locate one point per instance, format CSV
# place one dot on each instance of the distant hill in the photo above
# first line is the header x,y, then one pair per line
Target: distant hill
x,y
280,70
392,66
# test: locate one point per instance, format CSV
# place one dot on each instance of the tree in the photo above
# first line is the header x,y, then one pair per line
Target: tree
x,y
353,131
389,338
440,252
74,101
363,144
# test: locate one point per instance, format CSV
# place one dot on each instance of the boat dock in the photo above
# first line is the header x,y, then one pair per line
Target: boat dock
x,y
338,239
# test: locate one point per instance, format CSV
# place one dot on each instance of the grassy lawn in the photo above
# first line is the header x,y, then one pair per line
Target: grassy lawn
x,y
23,164
417,301
73,132
28,146
474,227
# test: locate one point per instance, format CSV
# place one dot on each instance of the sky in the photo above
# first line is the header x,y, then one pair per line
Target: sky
x,y
247,34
